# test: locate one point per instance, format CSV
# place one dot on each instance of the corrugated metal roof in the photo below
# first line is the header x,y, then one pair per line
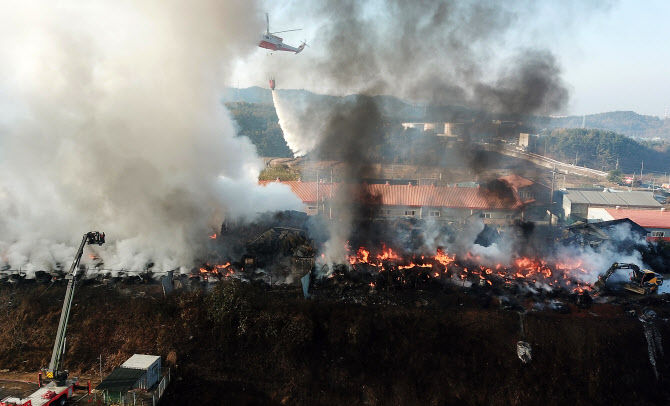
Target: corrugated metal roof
x,y
406,195
121,380
645,218
636,198
140,361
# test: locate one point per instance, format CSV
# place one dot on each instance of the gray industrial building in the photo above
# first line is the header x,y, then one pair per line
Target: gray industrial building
x,y
576,202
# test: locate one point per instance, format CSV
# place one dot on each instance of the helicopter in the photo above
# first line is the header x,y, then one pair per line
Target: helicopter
x,y
275,43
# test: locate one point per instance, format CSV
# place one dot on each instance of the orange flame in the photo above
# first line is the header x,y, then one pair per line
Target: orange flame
x,y
524,268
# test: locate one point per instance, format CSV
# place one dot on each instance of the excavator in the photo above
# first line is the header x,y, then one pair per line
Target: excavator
x,y
642,281
60,388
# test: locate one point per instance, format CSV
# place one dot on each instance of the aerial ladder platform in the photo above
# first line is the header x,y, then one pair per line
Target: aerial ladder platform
x,y
59,388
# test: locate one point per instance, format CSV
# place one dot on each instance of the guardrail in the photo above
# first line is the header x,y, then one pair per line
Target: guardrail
x,y
550,163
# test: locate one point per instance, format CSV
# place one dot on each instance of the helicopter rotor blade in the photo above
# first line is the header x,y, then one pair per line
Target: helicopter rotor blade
x,y
279,32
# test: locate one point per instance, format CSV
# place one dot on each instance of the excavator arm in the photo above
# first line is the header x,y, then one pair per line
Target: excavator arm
x,y
54,371
602,279
644,282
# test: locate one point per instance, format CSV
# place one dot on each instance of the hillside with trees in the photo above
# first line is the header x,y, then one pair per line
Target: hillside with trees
x,y
259,122
623,122
594,148
600,150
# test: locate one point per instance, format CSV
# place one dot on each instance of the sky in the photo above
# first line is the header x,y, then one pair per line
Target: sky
x,y
621,60
613,55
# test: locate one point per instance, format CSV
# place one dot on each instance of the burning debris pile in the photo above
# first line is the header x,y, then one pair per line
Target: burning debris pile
x,y
274,247
391,255
388,268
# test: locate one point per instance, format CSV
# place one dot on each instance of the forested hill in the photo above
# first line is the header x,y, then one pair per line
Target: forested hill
x,y
600,150
622,122
259,122
389,105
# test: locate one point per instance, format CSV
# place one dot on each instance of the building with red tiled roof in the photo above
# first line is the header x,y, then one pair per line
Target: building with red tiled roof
x,y
528,190
444,203
536,196
656,222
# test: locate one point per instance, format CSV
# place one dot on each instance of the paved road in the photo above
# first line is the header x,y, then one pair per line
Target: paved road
x,y
547,162
16,388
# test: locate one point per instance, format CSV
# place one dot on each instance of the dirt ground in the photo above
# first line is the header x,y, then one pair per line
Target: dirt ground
x,y
246,344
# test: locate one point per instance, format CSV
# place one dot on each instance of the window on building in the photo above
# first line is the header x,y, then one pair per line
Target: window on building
x,y
487,215
508,216
434,214
410,212
658,233
311,207
385,212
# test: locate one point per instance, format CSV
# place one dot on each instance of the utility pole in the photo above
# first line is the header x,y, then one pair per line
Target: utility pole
x,y
551,200
617,162
641,171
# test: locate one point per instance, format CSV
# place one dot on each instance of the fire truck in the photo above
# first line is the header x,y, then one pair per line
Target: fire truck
x,y
57,388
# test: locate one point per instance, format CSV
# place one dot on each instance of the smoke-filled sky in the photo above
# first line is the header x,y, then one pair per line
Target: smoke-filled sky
x,y
110,113
110,120
608,55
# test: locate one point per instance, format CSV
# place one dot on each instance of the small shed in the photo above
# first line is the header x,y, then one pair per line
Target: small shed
x,y
150,364
119,382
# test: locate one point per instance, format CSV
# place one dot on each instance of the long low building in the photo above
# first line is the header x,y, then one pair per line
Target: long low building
x,y
656,222
392,201
576,203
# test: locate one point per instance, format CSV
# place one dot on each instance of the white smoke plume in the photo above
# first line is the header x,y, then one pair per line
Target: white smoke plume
x,y
110,121
596,261
588,262
301,135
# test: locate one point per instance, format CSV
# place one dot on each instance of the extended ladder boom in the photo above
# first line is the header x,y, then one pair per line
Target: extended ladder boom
x,y
54,370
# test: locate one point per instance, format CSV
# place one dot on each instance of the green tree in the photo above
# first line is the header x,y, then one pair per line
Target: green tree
x,y
259,122
615,176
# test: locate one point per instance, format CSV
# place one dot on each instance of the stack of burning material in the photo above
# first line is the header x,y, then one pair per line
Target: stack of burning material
x,y
271,236
393,268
